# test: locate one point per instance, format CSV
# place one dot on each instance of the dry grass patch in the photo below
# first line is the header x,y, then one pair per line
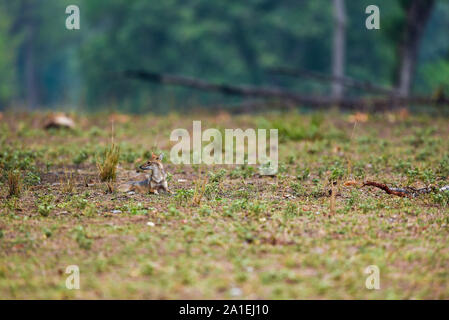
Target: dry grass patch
x,y
14,183
107,167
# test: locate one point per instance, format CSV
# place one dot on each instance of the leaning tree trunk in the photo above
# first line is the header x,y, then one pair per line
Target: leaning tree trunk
x,y
338,55
30,69
418,14
26,23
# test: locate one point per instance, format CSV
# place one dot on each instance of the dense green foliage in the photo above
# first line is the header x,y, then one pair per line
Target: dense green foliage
x,y
227,41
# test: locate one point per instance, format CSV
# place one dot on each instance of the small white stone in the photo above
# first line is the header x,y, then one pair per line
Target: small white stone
x,y
116,211
131,192
235,292
182,180
151,224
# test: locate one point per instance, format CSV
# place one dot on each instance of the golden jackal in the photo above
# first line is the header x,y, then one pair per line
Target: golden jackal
x,y
155,181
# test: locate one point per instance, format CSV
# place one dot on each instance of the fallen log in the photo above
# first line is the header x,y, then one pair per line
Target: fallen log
x,y
280,94
238,90
346,81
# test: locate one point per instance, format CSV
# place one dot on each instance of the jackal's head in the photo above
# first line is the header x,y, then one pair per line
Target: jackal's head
x,y
154,163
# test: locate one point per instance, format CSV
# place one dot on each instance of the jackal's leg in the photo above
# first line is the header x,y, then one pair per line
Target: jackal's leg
x,y
153,191
165,187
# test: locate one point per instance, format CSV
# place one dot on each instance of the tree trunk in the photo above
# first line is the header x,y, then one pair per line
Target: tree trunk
x,y
30,69
418,14
338,55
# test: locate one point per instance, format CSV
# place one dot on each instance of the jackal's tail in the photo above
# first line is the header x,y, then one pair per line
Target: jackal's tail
x,y
124,187
129,186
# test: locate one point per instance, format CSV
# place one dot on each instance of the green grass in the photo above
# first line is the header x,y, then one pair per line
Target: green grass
x,y
269,237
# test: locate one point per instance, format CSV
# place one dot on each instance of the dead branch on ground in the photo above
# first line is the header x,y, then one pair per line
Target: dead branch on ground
x,y
385,188
275,93
346,81
405,192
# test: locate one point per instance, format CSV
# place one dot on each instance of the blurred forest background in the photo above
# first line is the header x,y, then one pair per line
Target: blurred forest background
x,y
44,65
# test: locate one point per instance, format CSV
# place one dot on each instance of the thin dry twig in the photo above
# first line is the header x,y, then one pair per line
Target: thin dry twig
x,y
332,200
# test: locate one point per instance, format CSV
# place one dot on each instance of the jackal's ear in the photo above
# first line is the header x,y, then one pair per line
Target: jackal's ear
x,y
161,156
153,156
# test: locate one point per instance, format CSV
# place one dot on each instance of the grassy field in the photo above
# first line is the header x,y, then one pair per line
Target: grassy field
x,y
251,236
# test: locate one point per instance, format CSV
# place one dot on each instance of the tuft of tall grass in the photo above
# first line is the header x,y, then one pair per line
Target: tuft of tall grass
x,y
14,183
107,167
200,189
68,186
